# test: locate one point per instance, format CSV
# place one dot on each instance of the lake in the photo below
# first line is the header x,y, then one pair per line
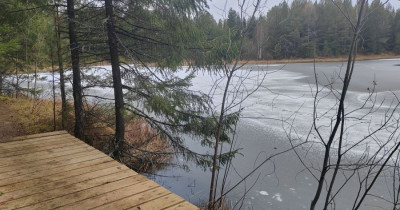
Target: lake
x,y
282,109
286,96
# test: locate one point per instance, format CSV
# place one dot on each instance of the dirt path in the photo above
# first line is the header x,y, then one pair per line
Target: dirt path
x,y
7,127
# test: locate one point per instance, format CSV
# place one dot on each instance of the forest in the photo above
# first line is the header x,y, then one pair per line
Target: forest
x,y
301,29
139,79
306,29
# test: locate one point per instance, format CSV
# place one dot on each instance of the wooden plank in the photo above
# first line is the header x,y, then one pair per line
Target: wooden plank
x,y
25,141
44,153
36,137
4,148
112,196
28,150
33,142
183,206
42,178
53,133
53,149
40,197
29,167
36,172
16,161
161,202
58,182
21,138
27,175
53,170
88,193
135,199
28,146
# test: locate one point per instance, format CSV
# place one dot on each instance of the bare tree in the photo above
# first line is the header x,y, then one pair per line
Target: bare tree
x,y
234,92
331,127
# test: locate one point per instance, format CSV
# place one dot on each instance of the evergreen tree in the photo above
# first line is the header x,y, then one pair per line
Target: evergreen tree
x,y
396,32
9,43
117,83
377,29
76,85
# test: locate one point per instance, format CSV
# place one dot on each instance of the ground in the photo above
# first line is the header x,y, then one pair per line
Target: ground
x,y
7,126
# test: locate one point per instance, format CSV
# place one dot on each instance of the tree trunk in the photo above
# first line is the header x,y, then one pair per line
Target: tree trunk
x,y
16,75
34,85
61,70
211,199
76,74
1,82
26,60
54,91
340,110
116,73
26,52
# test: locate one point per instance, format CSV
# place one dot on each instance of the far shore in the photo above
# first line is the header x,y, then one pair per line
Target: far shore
x,y
319,60
295,60
272,61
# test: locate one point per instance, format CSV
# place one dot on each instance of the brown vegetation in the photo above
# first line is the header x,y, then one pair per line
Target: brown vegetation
x,y
25,116
31,116
8,128
225,205
319,59
146,148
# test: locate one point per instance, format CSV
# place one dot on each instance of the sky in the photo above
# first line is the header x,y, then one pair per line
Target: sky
x,y
217,7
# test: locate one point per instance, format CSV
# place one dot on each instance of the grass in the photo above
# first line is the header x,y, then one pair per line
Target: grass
x,y
145,151
225,205
32,116
149,151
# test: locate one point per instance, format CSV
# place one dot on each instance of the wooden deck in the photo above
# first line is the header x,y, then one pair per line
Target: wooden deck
x,y
55,170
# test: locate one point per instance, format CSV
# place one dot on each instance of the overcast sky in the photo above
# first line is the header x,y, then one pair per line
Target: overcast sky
x,y
219,8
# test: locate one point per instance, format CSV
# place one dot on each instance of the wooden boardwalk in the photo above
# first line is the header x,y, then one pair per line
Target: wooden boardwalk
x,y
57,171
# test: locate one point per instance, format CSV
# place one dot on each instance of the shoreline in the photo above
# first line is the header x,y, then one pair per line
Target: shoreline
x,y
318,60
266,62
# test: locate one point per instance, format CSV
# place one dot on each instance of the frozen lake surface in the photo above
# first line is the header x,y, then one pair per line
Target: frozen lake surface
x,y
282,109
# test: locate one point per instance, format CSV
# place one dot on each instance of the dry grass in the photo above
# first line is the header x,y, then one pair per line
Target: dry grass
x,y
8,128
145,150
149,150
225,205
33,116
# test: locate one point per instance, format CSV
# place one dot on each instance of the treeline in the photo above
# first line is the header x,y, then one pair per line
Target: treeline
x,y
305,29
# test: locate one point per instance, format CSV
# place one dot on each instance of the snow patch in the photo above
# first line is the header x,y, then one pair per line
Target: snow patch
x,y
277,197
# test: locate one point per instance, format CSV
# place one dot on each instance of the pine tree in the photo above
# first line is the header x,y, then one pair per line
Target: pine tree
x,y
76,85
